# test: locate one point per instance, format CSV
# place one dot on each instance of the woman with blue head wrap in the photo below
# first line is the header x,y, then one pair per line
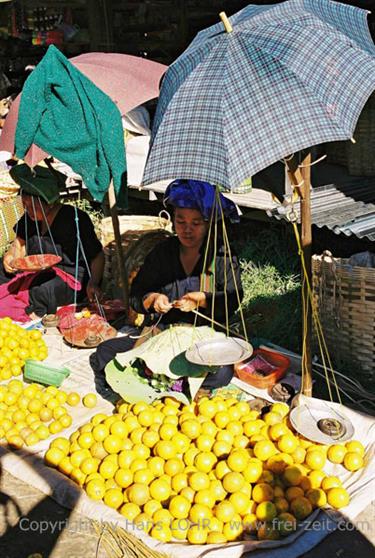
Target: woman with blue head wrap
x,y
186,271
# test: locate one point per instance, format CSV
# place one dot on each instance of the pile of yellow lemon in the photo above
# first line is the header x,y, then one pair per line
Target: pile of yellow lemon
x,y
206,473
16,345
30,413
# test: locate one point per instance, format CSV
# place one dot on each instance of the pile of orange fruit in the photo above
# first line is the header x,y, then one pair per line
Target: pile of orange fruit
x,y
17,345
30,412
208,472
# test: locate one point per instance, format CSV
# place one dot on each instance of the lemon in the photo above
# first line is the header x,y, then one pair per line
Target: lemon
x,y
262,492
266,511
338,497
179,507
301,507
130,511
336,453
355,446
95,489
160,490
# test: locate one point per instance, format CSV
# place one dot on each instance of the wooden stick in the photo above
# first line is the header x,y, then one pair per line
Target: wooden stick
x,y
298,176
120,256
226,22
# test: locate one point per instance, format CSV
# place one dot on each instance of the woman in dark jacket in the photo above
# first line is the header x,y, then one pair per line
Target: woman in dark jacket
x,y
186,272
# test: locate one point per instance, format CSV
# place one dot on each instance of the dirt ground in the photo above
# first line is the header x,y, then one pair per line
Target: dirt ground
x,y
22,507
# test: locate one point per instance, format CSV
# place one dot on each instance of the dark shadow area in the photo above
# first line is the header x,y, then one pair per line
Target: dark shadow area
x,y
40,528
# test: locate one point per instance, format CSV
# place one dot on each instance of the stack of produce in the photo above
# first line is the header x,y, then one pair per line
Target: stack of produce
x,y
210,472
30,413
17,345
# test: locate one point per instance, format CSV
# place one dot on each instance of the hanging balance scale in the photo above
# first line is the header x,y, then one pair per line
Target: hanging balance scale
x,y
320,422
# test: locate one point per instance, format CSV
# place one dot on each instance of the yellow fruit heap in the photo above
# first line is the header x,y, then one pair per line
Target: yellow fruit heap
x,y
207,473
30,413
16,345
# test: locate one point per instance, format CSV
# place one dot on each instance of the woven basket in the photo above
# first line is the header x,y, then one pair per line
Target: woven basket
x,y
11,211
132,229
344,296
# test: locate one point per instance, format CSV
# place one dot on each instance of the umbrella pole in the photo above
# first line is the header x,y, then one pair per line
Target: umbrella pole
x,y
302,177
306,241
123,281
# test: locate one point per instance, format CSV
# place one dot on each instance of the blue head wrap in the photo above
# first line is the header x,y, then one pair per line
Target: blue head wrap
x,y
195,194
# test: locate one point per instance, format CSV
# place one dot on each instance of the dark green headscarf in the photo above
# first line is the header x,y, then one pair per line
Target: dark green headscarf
x,y
38,181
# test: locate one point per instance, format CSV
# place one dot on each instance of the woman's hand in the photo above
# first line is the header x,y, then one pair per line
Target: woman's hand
x,y
161,304
8,263
191,301
93,291
157,302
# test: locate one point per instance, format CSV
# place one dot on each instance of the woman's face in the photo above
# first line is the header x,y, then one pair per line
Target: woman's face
x,y
190,227
35,207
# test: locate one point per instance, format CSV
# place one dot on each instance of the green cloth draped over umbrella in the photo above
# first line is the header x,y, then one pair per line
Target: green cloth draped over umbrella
x,y
65,114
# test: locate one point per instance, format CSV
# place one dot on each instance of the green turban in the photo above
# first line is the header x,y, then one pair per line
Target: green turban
x,y
38,181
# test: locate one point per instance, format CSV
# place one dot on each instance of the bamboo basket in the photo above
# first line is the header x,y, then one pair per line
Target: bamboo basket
x,y
132,229
11,210
344,296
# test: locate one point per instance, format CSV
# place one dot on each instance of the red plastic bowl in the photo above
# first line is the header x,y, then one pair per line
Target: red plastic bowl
x,y
36,262
278,366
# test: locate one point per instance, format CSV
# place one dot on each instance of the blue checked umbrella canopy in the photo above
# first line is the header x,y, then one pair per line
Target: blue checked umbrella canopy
x,y
289,76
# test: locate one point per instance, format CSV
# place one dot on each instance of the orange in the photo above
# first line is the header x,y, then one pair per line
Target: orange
x,y
292,475
224,511
179,507
338,498
130,511
113,498
293,492
330,482
233,481
90,400
253,471
73,399
315,459
199,514
336,453
355,446
160,490
199,481
264,449
138,494
266,511
191,428
241,502
95,489
353,461
53,456
112,444
287,443
237,461
317,497
286,524
173,467
262,492
165,449
301,507
61,443
205,461
282,504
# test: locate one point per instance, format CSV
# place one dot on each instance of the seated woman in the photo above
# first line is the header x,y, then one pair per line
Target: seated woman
x,y
49,227
180,275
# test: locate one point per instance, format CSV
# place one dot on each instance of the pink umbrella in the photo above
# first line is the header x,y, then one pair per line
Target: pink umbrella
x,y
128,80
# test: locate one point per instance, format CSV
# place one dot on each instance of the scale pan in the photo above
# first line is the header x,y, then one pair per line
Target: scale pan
x,y
306,418
36,262
220,351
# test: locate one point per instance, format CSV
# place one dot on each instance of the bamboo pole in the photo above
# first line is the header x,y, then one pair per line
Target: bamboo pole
x,y
123,280
226,22
302,177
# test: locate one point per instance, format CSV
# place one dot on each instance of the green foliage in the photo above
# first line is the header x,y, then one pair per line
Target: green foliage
x,y
271,282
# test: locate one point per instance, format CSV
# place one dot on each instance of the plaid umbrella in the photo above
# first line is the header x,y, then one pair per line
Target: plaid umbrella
x,y
289,76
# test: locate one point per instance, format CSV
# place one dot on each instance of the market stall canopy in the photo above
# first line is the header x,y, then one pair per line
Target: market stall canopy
x,y
128,80
286,77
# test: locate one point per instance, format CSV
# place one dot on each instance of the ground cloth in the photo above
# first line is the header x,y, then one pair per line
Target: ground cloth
x,y
29,468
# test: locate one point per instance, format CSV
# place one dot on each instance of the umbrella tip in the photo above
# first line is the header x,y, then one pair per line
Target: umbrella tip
x,y
226,22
